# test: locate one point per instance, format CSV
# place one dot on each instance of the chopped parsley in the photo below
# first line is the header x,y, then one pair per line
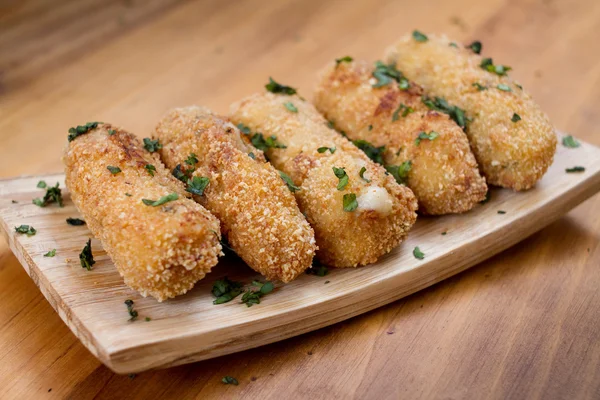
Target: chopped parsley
x,y
86,257
418,253
341,174
179,173
111,132
347,59
426,136
324,149
501,212
291,107
262,143
53,195
251,297
132,313
475,47
81,129
197,185
128,194
444,233
51,253
405,111
152,145
318,270
515,118
370,127
75,221
419,37
575,169
452,44
350,203
252,156
570,142
192,159
26,229
243,128
488,65
14,201
161,201
504,88
113,170
275,87
400,172
147,319
225,290
404,84
228,380
385,74
440,104
361,173
479,86
42,185
151,169
330,124
289,182
374,153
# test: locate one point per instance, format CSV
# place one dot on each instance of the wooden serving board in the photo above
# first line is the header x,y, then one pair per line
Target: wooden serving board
x,y
190,328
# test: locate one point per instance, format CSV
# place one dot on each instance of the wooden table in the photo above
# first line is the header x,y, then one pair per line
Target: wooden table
x,y
524,324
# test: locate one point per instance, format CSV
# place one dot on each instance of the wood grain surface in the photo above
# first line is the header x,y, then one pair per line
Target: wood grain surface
x,y
524,324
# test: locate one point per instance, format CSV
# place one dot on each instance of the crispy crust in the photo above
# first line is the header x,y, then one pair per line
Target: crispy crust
x,y
444,174
160,251
258,213
514,155
345,239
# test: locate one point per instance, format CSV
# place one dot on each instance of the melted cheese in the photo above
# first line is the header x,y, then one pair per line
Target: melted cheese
x,y
375,198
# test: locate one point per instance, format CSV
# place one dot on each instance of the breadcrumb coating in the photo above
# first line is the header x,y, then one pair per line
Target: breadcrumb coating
x,y
386,210
511,154
444,174
258,213
160,251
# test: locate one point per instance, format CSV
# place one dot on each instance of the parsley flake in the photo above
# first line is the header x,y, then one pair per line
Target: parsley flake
x,y
400,172
479,86
418,253
251,297
347,59
243,128
475,47
575,169
419,37
324,149
152,145
291,107
275,87
42,185
161,201
26,229
53,195
132,313
192,159
405,111
452,44
179,173
340,173
75,221
570,142
361,173
385,74
426,136
86,258
440,104
488,65
289,182
51,253
113,170
504,88
318,270
252,156
228,380
374,153
515,118
350,203
151,169
81,129
111,132
262,143
225,290
501,212
197,185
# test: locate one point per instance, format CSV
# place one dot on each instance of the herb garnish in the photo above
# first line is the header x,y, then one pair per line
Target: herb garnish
x,y
253,296
338,61
192,159
418,253
400,172
243,128
361,173
515,118
440,104
81,129
289,182
259,141
75,221
275,87
374,153
225,290
426,136
479,86
113,170
197,185
318,270
350,203
179,173
291,107
14,201
501,212
330,124
228,380
86,258
419,37
405,111
452,44
475,47
51,253
152,145
570,142
132,313
151,169
252,156
128,194
504,88
488,65
575,169
26,229
53,195
340,173
42,185
161,201
111,132
370,128
147,319
385,74
324,149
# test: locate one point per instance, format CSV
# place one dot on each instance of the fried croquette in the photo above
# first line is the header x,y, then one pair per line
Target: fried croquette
x,y
258,213
442,172
512,139
161,241
357,210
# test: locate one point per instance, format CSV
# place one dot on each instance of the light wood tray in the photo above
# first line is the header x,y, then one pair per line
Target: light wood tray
x,y
191,328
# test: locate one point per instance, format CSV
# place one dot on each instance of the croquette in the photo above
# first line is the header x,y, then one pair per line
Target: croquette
x,y
258,213
387,111
512,139
161,241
